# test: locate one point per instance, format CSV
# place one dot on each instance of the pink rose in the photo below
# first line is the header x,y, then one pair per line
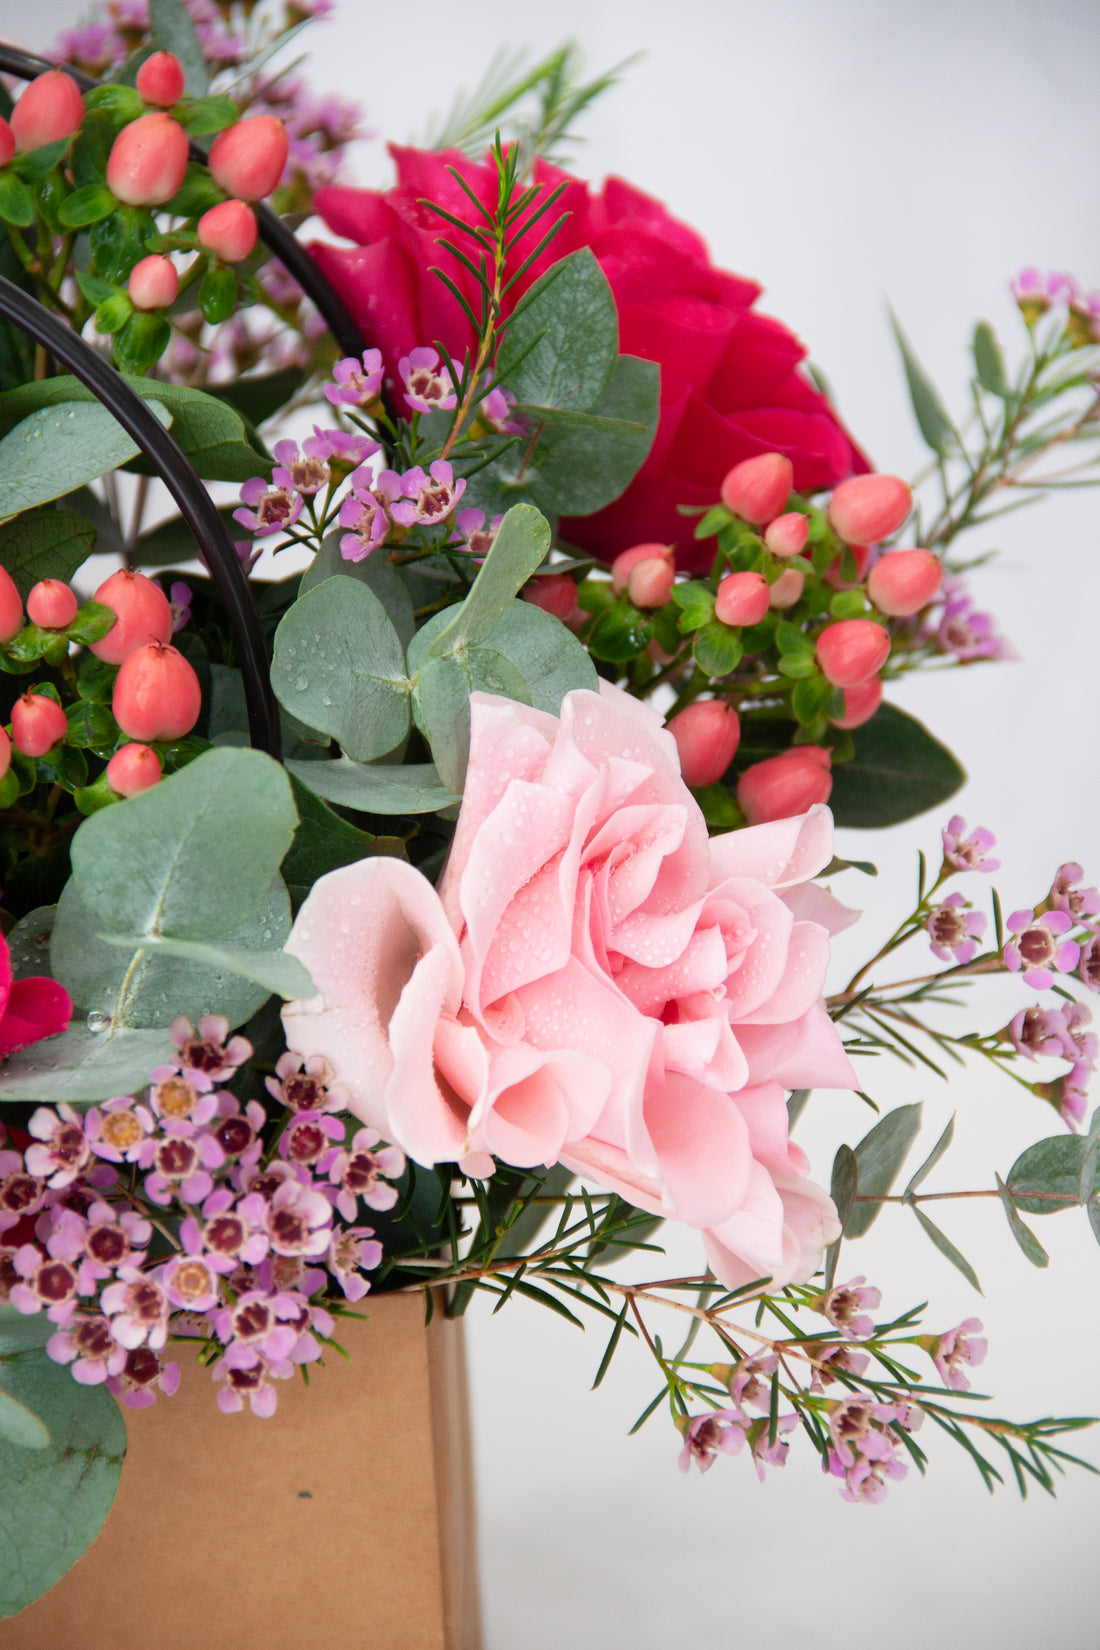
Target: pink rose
x,y
596,983
730,381
29,1009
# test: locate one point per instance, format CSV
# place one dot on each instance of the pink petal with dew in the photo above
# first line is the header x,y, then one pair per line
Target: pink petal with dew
x,y
701,1143
783,852
758,931
707,1050
811,903
805,967
805,1053
425,1119
537,1101
360,933
702,966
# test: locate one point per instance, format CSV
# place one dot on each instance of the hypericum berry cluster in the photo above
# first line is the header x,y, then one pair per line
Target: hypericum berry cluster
x,y
130,692
167,1217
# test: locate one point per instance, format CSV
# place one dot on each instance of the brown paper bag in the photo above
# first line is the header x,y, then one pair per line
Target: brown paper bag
x,y
345,1522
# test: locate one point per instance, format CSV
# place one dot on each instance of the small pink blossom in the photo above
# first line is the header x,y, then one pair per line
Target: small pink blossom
x,y
246,1374
90,1348
297,472
765,1454
179,600
1089,968
836,1361
968,853
299,1221
359,1171
1041,1031
46,1283
306,1085
140,1374
138,1309
209,1056
1037,949
342,449
366,512
428,386
273,509
496,410
113,1237
1065,895
750,1381
356,385
309,1137
172,1096
958,1348
351,1252
428,498
61,1150
234,1226
1085,1044
20,1193
181,1162
471,529
237,1131
846,1307
721,1430
955,930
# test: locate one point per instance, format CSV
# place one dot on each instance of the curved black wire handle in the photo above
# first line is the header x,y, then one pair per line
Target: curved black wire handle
x,y
176,471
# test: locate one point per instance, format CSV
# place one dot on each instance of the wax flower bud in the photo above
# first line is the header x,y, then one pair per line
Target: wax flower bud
x,y
860,704
143,614
157,694
154,283
707,735
852,650
7,142
132,769
742,599
147,161
555,593
787,535
160,79
228,230
51,604
650,582
11,607
758,488
248,158
50,108
787,589
785,785
865,509
627,559
904,581
37,723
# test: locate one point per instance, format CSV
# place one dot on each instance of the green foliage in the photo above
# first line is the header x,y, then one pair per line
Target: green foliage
x,y
207,115
58,1492
1023,1234
140,344
408,788
83,1065
44,544
16,201
563,340
519,546
86,205
947,1249
376,571
879,1156
932,421
843,1188
717,648
59,447
898,770
1047,1176
260,398
323,842
988,360
218,293
118,241
339,667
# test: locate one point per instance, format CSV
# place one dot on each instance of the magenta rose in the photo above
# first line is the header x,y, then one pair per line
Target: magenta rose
x,y
730,381
29,1009
596,983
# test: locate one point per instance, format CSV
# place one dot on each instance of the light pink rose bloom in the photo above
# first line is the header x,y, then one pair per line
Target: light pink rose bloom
x,y
597,982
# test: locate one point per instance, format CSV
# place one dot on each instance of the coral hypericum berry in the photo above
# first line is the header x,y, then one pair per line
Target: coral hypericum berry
x,y
147,161
11,608
157,694
787,535
247,159
758,488
860,704
51,108
154,283
851,651
868,508
742,599
707,735
904,581
51,604
132,769
785,785
37,723
7,142
627,560
160,79
144,615
229,230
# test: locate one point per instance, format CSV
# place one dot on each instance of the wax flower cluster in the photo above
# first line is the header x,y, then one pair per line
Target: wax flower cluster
x,y
144,1220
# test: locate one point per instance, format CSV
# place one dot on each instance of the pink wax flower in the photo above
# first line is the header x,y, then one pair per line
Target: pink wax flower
x,y
114,1237
597,983
138,1309
1076,902
179,601
833,1362
1072,1093
470,526
845,1307
428,498
1036,947
428,386
1041,1031
722,1430
955,930
143,1371
247,1376
353,1250
30,1009
963,631
61,1148
959,1348
496,409
359,1171
765,1454
209,1055
89,1348
968,853
1085,1045
299,1220
272,508
21,1194
47,1282
1089,968
365,512
299,472
306,1085
341,448
356,384
309,1137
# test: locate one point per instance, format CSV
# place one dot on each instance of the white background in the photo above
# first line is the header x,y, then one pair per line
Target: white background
x,y
842,154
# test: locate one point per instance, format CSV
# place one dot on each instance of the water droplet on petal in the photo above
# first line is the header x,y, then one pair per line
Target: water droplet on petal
x,y
97,1021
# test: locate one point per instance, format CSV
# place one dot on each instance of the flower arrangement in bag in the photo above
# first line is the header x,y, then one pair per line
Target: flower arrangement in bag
x,y
519,945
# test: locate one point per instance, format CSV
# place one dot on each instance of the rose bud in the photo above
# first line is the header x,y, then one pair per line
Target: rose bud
x,y
851,650
160,79
555,593
758,488
143,614
51,604
5,753
742,599
157,694
785,785
868,508
787,589
147,161
787,535
626,559
37,723
248,158
228,230
7,142
650,582
860,704
11,607
154,283
904,581
132,769
50,108
707,735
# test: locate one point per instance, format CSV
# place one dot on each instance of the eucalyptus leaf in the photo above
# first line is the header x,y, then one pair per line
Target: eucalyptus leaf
x,y
1051,1166
843,1187
898,770
409,788
548,657
339,666
59,447
274,970
988,360
192,857
376,571
44,544
323,841
560,347
172,30
443,693
84,1066
932,421
29,943
933,1157
947,1249
519,546
879,1156
18,1424
575,472
58,1494
1023,1234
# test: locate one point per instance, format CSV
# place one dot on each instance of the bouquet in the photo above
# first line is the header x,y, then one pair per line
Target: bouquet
x,y
506,941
